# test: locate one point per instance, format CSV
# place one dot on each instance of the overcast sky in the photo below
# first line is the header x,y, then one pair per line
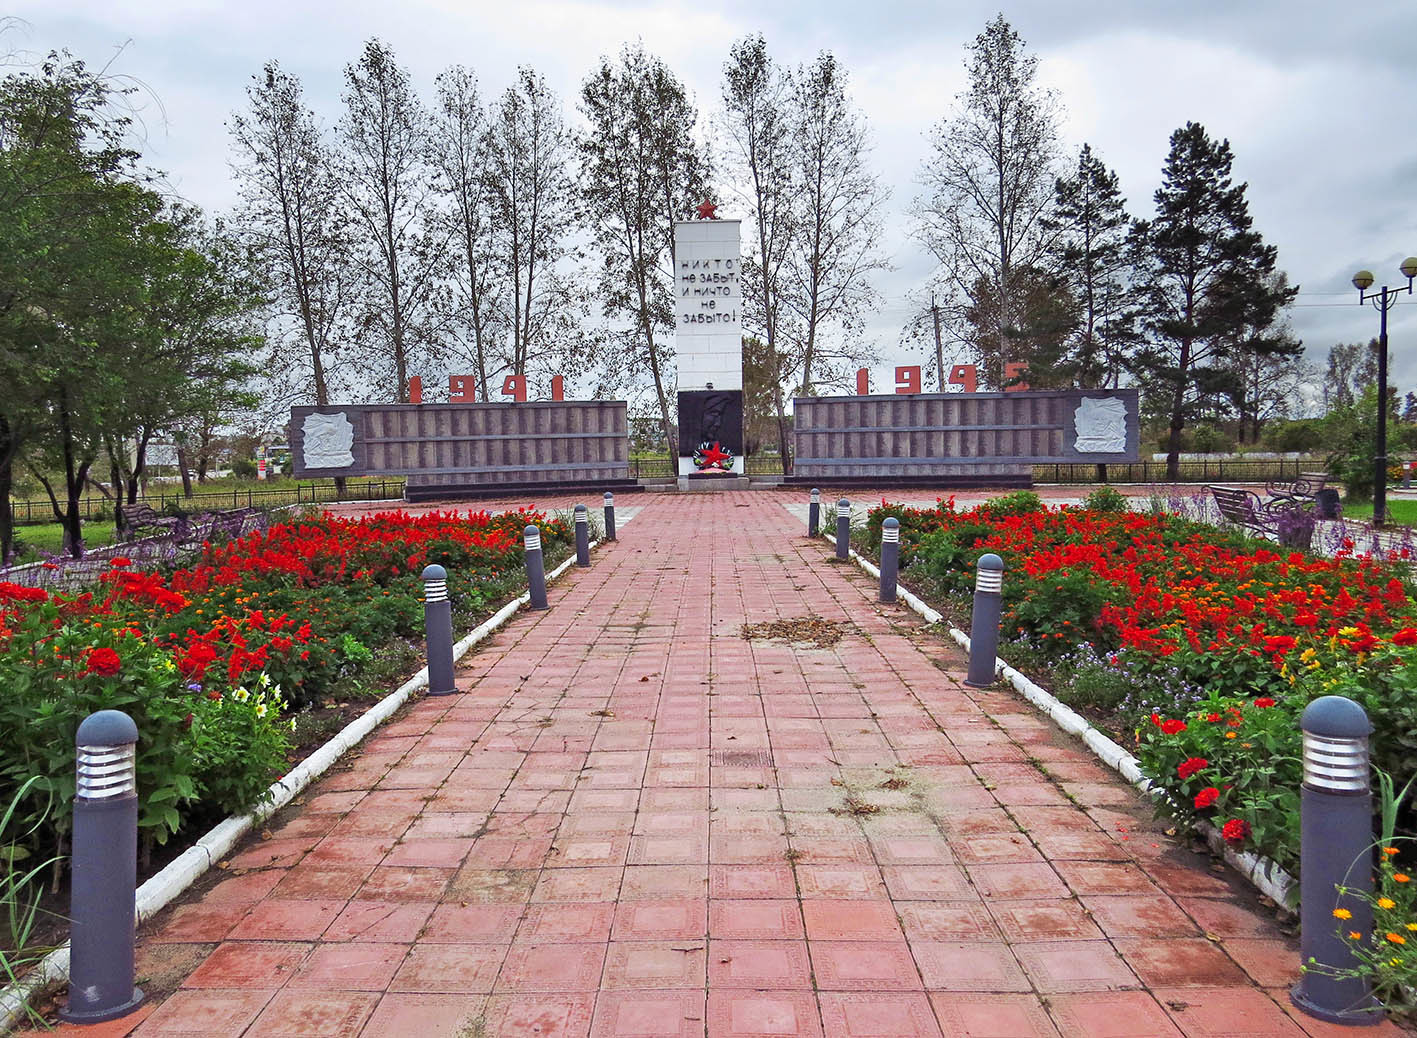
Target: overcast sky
x,y
1316,97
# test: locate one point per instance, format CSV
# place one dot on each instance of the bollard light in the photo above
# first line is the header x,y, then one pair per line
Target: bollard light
x,y
814,513
438,631
1335,851
609,516
103,885
843,529
535,567
582,537
890,558
984,623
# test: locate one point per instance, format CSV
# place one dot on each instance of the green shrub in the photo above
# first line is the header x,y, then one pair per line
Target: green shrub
x,y
194,742
1019,502
1211,439
1106,499
243,468
1094,684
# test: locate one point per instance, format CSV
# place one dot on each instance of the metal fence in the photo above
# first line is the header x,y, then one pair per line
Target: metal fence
x,y
96,506
1219,470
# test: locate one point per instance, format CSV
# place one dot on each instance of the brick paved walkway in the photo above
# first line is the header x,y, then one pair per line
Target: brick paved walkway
x,y
636,822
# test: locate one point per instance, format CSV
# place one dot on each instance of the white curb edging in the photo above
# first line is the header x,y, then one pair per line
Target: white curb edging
x,y
187,867
1266,874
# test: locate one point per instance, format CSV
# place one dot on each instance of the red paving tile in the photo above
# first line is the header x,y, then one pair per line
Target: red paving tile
x,y
992,1016
566,853
880,1015
649,1014
426,1016
314,1014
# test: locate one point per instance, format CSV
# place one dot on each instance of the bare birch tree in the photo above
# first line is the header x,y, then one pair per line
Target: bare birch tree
x,y
836,247
535,197
757,127
642,171
988,185
290,218
463,153
389,187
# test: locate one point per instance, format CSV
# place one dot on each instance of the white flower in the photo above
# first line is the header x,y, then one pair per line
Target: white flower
x,y
241,695
260,709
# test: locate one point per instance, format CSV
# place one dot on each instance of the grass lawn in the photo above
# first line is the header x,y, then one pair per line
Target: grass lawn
x,y
1400,511
50,536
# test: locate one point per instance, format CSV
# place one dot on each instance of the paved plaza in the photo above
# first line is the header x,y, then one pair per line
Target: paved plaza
x,y
634,820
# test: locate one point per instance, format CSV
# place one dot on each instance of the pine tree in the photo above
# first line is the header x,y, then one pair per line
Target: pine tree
x,y
1091,221
1207,275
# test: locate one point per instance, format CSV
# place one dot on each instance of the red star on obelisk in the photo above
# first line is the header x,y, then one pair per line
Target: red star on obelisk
x,y
715,456
707,210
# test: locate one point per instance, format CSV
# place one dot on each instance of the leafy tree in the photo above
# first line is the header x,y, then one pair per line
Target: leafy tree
x,y
642,171
1207,275
292,220
64,167
1044,316
988,184
1268,364
1090,220
835,248
1352,367
388,185
757,128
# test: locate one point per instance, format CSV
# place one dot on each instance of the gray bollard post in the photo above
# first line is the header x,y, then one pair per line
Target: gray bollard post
x,y
1335,850
814,513
890,557
438,631
609,516
104,884
843,529
984,624
582,537
535,567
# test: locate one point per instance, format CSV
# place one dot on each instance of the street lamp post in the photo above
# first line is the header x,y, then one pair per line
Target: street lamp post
x,y
1383,300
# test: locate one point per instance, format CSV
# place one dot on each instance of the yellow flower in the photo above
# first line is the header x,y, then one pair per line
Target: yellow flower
x,y
1412,927
1348,632
1397,938
1342,913
1307,655
1229,735
1386,902
1354,935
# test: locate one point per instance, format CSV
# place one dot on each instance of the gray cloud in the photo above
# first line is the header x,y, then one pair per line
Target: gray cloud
x,y
1310,95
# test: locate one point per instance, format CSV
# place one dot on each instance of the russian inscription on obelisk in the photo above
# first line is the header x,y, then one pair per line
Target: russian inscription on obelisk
x,y
708,338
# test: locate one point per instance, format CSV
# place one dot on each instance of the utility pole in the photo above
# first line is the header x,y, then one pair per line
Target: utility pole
x,y
939,346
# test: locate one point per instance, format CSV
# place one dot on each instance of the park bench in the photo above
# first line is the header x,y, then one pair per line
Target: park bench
x,y
142,517
1246,509
1302,491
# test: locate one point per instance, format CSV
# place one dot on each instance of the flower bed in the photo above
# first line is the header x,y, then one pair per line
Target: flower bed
x,y
212,658
1194,645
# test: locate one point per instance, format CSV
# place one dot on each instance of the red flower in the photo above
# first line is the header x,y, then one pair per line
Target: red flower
x,y
1235,831
1206,797
1190,766
1212,717
120,562
1172,727
103,662
1406,636
1264,702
